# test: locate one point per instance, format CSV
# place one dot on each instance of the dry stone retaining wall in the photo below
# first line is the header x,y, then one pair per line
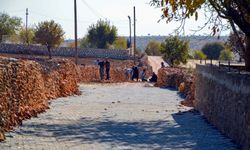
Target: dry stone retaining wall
x,y
224,99
64,51
26,87
180,79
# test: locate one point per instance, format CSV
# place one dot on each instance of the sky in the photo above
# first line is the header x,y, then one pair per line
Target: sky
x,y
90,11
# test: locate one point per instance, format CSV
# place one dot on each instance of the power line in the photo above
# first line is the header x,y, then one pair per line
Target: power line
x,y
96,13
63,19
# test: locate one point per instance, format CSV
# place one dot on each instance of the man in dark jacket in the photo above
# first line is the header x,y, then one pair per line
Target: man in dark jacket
x,y
101,69
107,66
135,73
153,78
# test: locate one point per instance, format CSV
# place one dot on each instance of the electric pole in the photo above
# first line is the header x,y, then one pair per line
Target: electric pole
x,y
76,51
130,41
134,34
26,29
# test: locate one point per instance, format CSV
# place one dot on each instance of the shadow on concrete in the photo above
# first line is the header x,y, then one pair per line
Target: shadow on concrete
x,y
188,130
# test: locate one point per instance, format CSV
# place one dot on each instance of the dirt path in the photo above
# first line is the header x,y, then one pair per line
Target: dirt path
x,y
117,116
155,62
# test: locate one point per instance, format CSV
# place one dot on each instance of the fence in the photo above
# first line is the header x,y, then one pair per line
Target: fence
x,y
230,66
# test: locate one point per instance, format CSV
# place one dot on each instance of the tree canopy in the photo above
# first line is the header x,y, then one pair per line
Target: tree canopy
x,y
175,50
101,34
50,34
226,55
153,48
120,43
27,37
236,12
236,43
198,54
212,50
8,25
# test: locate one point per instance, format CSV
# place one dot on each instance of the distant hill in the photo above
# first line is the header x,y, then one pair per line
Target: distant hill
x,y
195,42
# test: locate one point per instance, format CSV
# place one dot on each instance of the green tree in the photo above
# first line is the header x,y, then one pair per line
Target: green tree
x,y
84,43
198,54
27,37
212,50
175,50
236,12
153,48
120,43
226,55
50,34
101,34
8,25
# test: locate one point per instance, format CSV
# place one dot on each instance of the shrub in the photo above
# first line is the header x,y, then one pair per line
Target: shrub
x,y
212,50
226,55
175,50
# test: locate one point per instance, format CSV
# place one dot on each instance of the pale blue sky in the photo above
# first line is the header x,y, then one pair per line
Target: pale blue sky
x,y
89,11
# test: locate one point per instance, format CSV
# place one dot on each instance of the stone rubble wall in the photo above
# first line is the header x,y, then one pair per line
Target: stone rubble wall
x,y
64,51
180,79
224,98
27,86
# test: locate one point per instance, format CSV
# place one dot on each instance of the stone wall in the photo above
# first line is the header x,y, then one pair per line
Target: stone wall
x,y
26,87
224,99
180,79
64,51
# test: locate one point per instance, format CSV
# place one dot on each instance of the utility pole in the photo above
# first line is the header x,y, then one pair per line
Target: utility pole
x,y
26,29
76,51
134,34
130,40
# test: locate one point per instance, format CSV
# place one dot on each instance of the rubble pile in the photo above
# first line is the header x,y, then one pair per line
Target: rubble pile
x,y
117,74
91,74
178,78
26,86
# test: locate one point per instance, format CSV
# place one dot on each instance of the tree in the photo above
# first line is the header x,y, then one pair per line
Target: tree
x,y
120,43
27,37
8,25
175,50
84,43
153,48
236,43
50,34
226,55
236,12
101,34
212,50
198,54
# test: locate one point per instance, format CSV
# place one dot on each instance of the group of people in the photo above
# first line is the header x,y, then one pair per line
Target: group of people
x,y
104,65
133,74
130,73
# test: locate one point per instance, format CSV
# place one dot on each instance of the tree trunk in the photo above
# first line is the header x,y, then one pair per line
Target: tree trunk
x,y
49,52
247,53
